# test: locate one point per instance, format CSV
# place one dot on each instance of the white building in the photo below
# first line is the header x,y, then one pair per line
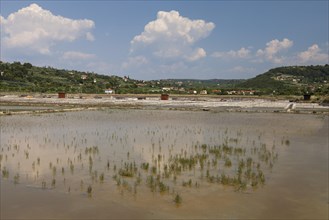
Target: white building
x,y
166,89
109,91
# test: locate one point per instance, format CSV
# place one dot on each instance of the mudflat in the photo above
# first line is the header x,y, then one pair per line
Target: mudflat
x,y
162,164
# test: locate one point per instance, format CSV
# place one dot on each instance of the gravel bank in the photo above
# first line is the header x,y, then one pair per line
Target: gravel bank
x,y
55,104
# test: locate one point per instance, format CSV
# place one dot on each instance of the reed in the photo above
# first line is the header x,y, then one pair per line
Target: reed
x,y
5,173
89,190
101,178
178,200
16,179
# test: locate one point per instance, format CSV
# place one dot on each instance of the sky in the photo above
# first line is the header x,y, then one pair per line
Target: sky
x,y
156,39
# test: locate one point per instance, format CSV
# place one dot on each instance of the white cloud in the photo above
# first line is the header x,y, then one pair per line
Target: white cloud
x,y
171,26
173,36
241,53
37,29
313,54
168,53
241,69
74,55
2,20
134,62
90,36
197,54
273,48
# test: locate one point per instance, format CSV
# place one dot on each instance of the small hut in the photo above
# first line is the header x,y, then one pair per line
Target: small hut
x,y
307,97
61,95
164,97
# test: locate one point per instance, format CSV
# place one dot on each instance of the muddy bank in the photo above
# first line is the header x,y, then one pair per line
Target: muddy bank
x,y
37,104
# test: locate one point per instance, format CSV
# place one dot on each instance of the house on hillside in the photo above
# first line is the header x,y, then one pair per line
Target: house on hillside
x,y
232,92
109,91
246,92
125,78
166,89
141,84
203,92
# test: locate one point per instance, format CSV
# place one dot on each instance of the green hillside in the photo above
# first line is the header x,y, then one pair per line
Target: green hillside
x,y
24,77
295,80
27,78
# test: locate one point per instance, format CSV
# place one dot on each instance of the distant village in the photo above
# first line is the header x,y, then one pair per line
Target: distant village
x,y
24,77
156,86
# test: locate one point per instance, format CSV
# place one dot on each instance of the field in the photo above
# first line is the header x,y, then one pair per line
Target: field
x,y
145,163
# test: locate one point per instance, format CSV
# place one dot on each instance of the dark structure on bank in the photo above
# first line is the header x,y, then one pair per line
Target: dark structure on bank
x,y
307,97
164,97
61,95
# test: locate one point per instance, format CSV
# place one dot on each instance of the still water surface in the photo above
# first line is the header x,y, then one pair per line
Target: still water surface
x,y
164,164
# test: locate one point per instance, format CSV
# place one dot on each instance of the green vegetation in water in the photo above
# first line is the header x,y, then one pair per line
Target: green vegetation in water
x,y
5,173
92,150
145,166
231,163
16,179
44,185
89,190
101,178
178,199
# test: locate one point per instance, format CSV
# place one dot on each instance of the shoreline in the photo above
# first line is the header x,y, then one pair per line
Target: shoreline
x,y
28,104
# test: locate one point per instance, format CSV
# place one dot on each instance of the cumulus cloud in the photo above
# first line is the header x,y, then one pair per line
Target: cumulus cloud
x,y
197,54
74,55
172,35
38,29
2,20
241,53
313,54
168,52
171,26
272,49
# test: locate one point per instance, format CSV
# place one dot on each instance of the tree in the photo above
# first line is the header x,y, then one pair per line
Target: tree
x,y
27,65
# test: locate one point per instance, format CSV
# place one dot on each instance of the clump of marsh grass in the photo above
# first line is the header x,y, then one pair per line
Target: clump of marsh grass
x,y
16,179
89,191
5,173
145,166
101,178
178,199
43,185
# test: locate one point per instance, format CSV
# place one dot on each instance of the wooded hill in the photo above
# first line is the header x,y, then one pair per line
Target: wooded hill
x,y
293,80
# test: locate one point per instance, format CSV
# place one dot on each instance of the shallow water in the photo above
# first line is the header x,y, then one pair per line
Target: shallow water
x,y
48,162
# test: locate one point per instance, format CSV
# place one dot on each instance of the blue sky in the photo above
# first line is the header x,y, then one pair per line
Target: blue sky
x,y
166,39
